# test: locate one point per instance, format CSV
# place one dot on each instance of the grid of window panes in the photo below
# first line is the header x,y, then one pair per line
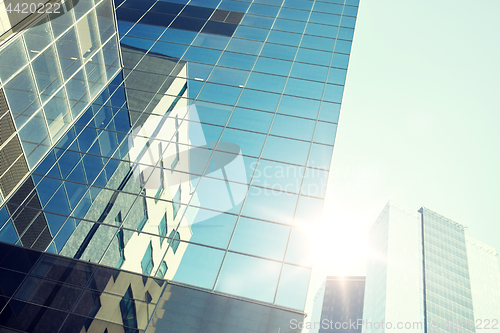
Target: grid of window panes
x,y
447,284
231,108
48,76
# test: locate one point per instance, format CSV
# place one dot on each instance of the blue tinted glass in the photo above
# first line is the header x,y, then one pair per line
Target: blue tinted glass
x,y
329,112
219,94
286,38
328,8
324,18
292,127
286,150
249,143
279,51
300,4
278,176
297,106
203,55
348,22
289,25
210,228
321,30
333,93
237,60
263,10
257,21
325,133
346,33
304,88
343,46
169,49
260,100
260,238
350,10
314,56
248,271
273,66
309,72
337,76
178,36
211,41
234,77
320,156
146,31
199,266
319,43
244,46
270,205
251,120
340,60
294,14
251,33
234,6
266,82
8,233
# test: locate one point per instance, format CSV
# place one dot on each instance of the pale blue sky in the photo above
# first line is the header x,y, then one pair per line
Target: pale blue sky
x,y
420,121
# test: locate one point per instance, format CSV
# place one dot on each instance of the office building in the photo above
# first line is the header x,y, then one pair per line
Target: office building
x,y
196,150
426,275
342,304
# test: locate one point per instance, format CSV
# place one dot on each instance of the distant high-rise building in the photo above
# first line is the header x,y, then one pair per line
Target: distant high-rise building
x,y
343,304
186,141
426,275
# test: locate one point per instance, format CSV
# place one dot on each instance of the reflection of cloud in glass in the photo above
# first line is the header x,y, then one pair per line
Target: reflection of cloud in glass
x,y
156,155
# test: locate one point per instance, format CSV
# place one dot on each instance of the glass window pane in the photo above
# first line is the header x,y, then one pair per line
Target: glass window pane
x,y
47,75
69,53
278,176
303,88
199,266
234,77
12,58
22,96
249,143
38,37
286,150
270,205
251,120
309,72
292,127
260,100
260,238
297,106
293,286
257,278
272,66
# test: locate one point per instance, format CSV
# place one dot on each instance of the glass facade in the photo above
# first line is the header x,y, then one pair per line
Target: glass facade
x,y
41,292
447,294
426,274
49,74
394,276
205,159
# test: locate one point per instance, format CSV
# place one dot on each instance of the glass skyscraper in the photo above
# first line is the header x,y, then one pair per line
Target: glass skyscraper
x,y
427,276
187,141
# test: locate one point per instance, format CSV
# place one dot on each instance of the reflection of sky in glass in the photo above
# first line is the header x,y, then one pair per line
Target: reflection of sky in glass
x,y
208,138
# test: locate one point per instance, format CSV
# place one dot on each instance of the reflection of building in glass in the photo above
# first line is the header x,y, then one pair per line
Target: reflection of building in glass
x,y
203,161
426,270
